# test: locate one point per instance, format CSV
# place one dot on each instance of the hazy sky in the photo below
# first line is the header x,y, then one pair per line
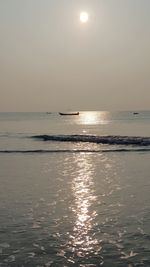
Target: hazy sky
x,y
50,61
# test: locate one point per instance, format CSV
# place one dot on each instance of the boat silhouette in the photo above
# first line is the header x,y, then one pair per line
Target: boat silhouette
x,y
68,113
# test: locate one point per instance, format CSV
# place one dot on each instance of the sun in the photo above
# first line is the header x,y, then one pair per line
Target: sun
x,y
84,17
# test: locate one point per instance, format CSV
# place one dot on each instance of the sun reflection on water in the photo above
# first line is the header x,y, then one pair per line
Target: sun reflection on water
x,y
83,190
94,117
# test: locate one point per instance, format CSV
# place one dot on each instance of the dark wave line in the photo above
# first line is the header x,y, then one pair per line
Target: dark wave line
x,y
111,140
13,135
40,151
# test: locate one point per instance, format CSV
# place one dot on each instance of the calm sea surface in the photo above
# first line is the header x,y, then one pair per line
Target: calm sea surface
x,y
75,190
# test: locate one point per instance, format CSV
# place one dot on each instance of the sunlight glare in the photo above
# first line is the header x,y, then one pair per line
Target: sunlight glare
x,y
94,117
84,17
83,191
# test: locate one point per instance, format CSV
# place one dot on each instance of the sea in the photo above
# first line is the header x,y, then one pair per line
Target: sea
x,y
75,190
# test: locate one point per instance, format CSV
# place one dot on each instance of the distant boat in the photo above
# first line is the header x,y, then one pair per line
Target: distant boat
x,y
135,113
68,113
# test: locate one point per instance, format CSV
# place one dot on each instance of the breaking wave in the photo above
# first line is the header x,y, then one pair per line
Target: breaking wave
x,y
110,140
43,151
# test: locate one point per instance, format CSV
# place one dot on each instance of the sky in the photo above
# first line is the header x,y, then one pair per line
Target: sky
x,y
50,61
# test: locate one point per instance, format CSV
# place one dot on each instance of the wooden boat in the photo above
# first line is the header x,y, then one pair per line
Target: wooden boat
x,y
69,113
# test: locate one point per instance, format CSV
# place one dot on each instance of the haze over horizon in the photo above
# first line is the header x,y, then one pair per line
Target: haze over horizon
x,y
50,61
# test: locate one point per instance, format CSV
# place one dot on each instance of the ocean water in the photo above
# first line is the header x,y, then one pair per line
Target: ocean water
x,y
74,190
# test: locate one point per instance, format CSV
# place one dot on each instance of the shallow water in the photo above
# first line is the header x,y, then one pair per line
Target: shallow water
x,y
73,209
